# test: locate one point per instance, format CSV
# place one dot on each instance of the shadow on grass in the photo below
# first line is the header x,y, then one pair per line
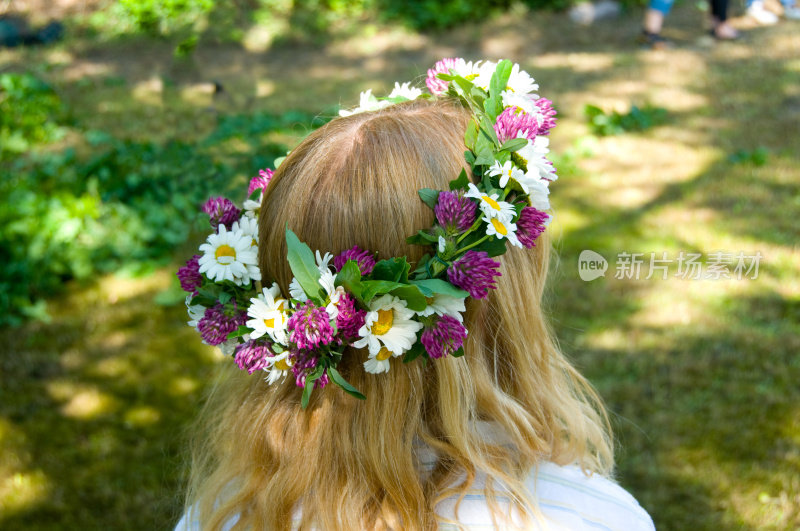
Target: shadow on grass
x,y
94,409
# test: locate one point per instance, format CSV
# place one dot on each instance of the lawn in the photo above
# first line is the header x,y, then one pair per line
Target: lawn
x,y
100,382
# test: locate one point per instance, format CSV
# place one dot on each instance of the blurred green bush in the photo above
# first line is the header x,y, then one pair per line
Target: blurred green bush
x,y
129,204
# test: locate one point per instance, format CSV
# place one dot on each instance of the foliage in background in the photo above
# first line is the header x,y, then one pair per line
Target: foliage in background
x,y
605,123
756,157
301,19
129,204
30,113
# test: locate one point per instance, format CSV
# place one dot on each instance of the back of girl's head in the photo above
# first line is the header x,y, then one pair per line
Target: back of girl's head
x,y
351,464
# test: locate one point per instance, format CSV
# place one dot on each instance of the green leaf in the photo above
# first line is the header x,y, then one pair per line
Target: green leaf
x,y
470,157
430,286
304,268
414,352
239,332
458,353
421,264
393,269
309,387
487,128
500,77
461,182
422,238
514,144
493,247
471,136
446,77
350,279
307,390
224,297
344,384
412,295
377,287
429,196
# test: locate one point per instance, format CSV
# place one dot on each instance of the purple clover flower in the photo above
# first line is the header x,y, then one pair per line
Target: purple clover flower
x,y
350,318
252,356
309,327
548,114
474,272
513,120
221,211
261,181
530,225
216,324
435,85
444,337
303,364
455,212
190,276
366,262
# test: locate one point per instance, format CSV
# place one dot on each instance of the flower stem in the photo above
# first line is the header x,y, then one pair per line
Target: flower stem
x,y
470,246
469,230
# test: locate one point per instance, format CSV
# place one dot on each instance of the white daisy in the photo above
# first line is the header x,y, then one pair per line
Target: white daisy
x,y
534,155
389,323
538,194
489,204
252,208
506,171
247,226
502,229
379,362
521,82
366,102
441,304
526,102
229,255
268,314
278,368
483,71
405,91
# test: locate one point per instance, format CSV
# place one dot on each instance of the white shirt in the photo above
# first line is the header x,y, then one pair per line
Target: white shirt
x,y
567,498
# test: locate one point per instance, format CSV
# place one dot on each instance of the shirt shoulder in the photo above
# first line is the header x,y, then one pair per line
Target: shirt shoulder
x,y
567,498
576,501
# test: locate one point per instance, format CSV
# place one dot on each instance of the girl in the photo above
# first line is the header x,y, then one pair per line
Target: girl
x,y
508,436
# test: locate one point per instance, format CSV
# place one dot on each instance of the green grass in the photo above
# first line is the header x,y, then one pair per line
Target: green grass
x,y
701,376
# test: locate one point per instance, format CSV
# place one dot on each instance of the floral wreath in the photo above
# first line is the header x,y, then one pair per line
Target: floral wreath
x,y
356,300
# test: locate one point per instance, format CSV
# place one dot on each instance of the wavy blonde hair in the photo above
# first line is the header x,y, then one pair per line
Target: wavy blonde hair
x,y
351,464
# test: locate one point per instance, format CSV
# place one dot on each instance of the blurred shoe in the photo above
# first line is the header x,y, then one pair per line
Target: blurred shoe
x,y
654,41
725,32
792,13
760,14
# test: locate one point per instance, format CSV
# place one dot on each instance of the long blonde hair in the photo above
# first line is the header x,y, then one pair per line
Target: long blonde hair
x,y
351,464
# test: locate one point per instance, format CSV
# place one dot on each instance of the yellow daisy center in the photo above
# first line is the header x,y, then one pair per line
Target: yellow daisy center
x,y
383,354
383,323
491,202
225,250
429,300
281,365
499,227
269,323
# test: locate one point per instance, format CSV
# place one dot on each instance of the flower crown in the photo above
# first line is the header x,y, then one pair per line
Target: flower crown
x,y
356,300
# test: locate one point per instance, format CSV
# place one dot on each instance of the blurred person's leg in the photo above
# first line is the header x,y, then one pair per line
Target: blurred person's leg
x,y
653,22
720,29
